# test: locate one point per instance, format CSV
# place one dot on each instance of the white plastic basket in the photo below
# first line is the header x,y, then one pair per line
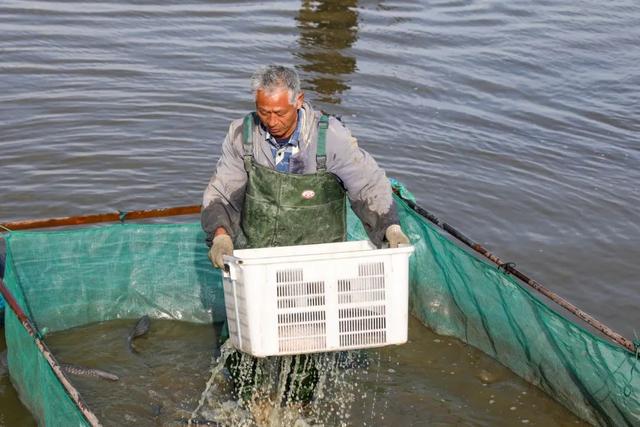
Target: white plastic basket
x,y
316,298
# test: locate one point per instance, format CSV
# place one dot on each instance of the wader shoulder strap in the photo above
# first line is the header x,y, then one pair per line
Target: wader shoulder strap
x,y
321,150
247,140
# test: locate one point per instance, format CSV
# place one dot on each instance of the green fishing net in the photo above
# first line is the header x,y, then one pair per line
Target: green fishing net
x,y
63,279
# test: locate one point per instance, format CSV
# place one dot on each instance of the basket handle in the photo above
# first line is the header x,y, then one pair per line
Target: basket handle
x,y
229,266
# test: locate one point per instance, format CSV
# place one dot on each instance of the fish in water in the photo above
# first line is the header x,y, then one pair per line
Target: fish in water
x,y
140,328
88,372
156,409
70,369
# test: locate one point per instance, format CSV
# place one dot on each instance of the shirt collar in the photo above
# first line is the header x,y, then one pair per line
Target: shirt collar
x,y
293,139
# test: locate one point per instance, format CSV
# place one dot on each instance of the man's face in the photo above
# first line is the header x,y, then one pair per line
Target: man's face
x,y
276,113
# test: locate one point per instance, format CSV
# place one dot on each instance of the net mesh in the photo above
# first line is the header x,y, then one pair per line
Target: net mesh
x,y
68,278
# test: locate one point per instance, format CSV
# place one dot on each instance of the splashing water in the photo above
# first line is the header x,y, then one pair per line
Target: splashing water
x,y
431,380
298,390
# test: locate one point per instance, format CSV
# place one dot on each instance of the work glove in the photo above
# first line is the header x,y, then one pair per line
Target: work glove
x,y
395,236
222,245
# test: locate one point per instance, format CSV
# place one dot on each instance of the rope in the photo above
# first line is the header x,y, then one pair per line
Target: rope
x,y
5,228
506,266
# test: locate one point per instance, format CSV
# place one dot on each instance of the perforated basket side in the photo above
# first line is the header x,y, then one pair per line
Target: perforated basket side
x,y
301,311
316,303
362,306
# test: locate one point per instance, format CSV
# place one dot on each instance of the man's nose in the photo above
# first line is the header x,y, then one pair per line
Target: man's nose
x,y
271,120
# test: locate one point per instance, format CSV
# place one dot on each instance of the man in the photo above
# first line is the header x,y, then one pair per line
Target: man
x,y
282,176
281,180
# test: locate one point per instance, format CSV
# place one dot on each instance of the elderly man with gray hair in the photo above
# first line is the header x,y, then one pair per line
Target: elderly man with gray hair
x,y
284,173
282,179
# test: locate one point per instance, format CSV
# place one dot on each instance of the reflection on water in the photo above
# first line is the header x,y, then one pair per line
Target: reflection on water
x,y
327,30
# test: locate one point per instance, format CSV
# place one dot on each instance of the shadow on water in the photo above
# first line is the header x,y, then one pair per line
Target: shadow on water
x,y
327,30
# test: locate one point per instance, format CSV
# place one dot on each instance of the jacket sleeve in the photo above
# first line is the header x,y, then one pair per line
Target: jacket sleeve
x,y
224,196
367,185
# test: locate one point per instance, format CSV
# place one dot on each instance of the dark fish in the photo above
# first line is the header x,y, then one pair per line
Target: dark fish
x,y
88,372
156,409
140,328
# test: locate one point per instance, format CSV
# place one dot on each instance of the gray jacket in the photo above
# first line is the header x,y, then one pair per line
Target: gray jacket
x,y
367,186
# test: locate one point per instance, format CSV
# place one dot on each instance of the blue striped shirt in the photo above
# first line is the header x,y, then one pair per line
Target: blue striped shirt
x,y
283,150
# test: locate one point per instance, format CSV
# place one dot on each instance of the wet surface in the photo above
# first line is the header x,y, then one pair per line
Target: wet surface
x,y
431,379
162,381
434,380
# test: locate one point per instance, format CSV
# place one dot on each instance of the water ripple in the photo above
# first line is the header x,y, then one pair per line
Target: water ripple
x,y
517,122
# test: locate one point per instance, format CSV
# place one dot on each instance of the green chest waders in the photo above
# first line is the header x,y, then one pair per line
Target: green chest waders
x,y
284,209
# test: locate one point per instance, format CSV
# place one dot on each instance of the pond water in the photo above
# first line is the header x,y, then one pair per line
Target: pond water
x,y
174,377
517,122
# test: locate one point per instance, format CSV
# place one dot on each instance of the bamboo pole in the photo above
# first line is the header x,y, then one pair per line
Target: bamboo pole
x,y
510,268
96,218
57,370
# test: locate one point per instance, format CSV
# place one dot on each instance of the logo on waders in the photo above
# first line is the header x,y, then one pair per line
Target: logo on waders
x,y
308,194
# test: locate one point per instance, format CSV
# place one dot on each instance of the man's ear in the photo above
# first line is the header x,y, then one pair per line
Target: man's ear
x,y
299,100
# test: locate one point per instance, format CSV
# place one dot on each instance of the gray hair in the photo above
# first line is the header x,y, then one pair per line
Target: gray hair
x,y
273,77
